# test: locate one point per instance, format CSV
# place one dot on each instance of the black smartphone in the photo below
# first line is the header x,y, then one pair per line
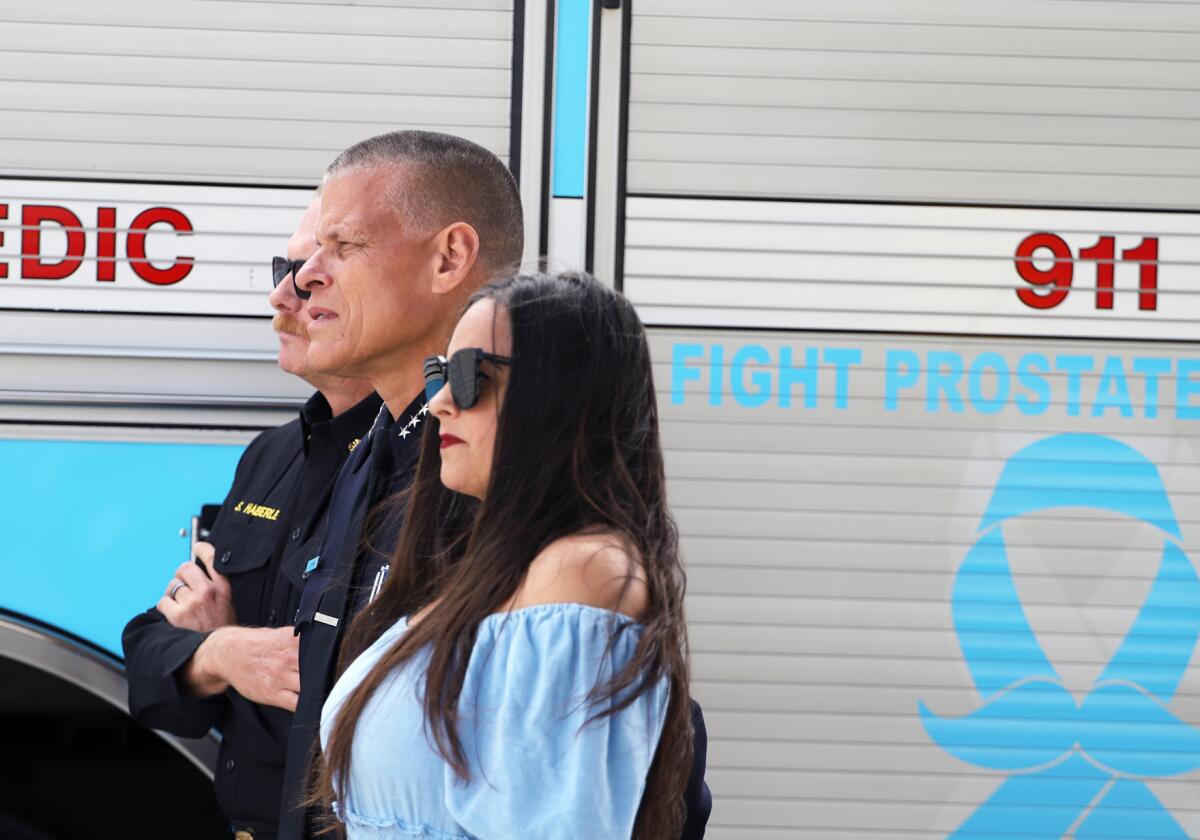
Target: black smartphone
x,y
202,525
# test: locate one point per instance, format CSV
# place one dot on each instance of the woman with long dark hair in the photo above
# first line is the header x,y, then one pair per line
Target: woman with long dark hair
x,y
523,673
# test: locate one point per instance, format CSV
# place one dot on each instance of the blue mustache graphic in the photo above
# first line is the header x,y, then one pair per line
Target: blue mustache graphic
x,y
1071,760
1118,726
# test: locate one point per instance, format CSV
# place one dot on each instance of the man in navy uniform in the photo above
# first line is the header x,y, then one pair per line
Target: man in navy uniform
x,y
218,649
411,224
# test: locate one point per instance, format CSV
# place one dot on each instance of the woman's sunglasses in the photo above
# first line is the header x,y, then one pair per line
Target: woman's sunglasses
x,y
462,372
281,267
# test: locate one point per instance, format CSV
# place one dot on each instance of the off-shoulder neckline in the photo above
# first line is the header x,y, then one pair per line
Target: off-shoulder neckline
x,y
564,606
556,607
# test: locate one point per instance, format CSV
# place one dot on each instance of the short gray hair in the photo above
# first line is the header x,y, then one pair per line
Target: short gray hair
x,y
450,179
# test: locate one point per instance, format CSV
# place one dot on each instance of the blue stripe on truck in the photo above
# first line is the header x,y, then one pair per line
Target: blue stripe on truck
x,y
570,97
89,531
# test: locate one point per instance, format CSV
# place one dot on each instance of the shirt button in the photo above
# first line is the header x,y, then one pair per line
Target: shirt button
x,y
230,764
271,616
225,557
295,533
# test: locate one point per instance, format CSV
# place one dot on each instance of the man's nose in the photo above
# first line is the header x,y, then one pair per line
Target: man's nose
x,y
311,275
283,297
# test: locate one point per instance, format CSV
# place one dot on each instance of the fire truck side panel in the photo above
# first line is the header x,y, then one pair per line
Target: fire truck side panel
x,y
919,277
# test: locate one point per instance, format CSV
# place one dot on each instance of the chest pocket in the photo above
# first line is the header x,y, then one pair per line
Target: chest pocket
x,y
243,544
242,551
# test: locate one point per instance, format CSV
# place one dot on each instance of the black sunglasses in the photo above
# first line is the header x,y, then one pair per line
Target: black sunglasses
x,y
281,267
462,371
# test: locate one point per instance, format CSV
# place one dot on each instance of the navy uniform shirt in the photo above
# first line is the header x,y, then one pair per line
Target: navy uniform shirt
x,y
341,583
271,523
350,570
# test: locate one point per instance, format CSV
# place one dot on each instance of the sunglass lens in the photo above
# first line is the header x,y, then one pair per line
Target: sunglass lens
x,y
280,266
432,386
464,378
303,294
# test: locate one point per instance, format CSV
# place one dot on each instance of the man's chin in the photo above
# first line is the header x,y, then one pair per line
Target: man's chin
x,y
293,357
322,359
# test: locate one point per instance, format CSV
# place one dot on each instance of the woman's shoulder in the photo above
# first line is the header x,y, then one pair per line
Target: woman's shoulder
x,y
596,569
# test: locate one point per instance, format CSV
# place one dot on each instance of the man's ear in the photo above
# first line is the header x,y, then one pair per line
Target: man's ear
x,y
457,251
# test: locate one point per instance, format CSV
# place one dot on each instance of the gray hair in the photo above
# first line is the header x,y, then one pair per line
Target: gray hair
x,y
449,179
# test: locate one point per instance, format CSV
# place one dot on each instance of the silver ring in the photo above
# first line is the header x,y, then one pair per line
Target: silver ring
x,y
175,589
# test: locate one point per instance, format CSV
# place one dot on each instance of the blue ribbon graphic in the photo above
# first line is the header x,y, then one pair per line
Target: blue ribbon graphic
x,y
1074,767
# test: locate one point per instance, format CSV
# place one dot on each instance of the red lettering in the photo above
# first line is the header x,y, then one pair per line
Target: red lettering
x,y
32,266
1146,255
1102,252
106,244
3,265
1058,276
135,246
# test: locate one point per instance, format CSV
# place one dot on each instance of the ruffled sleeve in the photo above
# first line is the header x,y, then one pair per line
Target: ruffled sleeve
x,y
537,771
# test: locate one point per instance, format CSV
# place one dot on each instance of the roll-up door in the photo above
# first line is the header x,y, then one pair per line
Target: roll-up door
x,y
805,164
920,283
939,587
1033,102
155,156
240,91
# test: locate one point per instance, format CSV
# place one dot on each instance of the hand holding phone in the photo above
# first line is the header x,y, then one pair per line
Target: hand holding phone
x,y
202,525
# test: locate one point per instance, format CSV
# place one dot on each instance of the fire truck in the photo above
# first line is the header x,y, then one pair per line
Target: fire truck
x,y
922,280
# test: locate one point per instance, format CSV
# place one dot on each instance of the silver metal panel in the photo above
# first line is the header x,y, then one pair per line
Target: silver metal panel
x,y
605,194
1052,102
157,370
240,91
843,265
533,110
822,543
118,434
67,660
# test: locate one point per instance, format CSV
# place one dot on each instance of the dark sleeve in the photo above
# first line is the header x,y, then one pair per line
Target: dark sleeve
x,y
154,653
697,798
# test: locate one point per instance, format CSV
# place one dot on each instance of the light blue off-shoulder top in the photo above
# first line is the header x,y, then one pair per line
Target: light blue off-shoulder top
x,y
537,771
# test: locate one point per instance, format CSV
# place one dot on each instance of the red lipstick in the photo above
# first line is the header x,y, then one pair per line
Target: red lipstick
x,y
449,440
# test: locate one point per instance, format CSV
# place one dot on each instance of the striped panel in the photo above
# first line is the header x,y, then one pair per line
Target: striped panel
x,y
1032,102
824,265
823,522
242,91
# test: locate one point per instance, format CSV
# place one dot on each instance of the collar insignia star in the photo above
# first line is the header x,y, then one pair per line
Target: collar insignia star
x,y
413,421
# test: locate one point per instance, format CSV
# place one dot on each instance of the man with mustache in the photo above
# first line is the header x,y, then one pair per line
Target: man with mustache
x,y
218,648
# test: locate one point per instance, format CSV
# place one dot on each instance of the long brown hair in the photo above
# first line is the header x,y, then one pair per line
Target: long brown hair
x,y
577,449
